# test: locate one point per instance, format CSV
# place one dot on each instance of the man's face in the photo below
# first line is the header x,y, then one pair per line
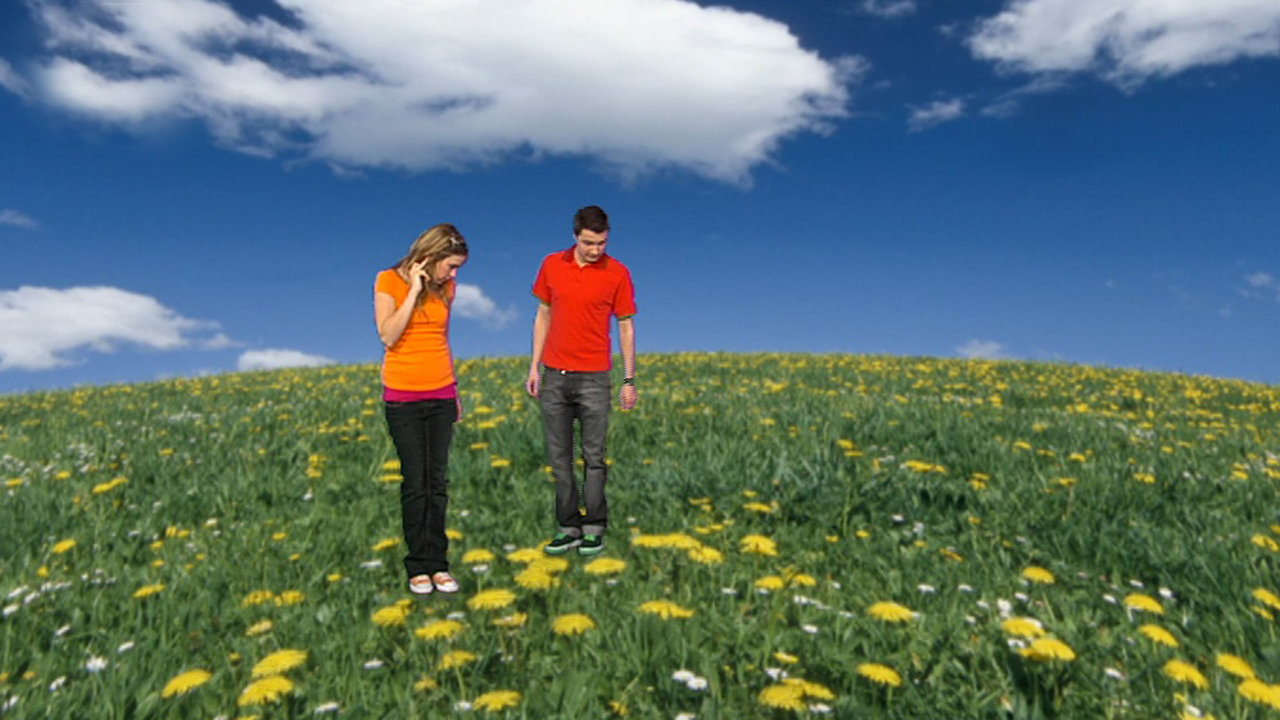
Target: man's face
x,y
590,246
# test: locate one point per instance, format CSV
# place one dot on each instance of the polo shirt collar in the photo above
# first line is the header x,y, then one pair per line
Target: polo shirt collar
x,y
602,263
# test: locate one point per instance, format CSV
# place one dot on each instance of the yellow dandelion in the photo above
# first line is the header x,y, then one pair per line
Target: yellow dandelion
x,y
882,674
1046,649
811,690
290,597
1159,635
387,544
107,487
891,612
259,628
439,630
257,597
535,579
453,534
573,624
1260,692
1037,574
268,689
477,556
706,555
1185,672
758,507
605,566
1236,665
456,659
1023,627
675,541
771,582
1263,612
783,696
759,545
618,708
185,682
550,564
1145,603
278,662
493,599
148,590
1266,597
513,620
787,658
391,616
665,609
497,701
63,546
425,683
1266,543
801,580
525,555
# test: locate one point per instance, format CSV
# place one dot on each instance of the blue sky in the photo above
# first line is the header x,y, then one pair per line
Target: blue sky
x,y
192,187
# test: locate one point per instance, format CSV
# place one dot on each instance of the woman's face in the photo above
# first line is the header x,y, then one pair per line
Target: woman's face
x,y
446,268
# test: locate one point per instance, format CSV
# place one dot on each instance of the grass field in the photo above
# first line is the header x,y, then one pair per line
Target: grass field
x,y
792,536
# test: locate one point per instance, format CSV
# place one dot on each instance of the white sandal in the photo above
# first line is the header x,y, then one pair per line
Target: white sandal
x,y
421,585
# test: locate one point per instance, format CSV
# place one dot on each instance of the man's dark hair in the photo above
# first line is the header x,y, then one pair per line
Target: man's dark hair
x,y
591,217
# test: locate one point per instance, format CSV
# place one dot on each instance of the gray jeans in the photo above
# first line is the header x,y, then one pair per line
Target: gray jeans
x,y
584,397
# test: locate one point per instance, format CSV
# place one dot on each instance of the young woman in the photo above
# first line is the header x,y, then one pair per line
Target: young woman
x,y
411,302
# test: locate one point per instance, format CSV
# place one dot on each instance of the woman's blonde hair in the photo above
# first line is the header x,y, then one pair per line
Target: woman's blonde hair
x,y
433,245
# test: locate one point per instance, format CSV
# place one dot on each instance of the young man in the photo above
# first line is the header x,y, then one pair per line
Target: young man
x,y
578,290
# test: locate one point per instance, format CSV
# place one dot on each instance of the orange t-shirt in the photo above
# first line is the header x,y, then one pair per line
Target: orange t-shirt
x,y
582,299
420,359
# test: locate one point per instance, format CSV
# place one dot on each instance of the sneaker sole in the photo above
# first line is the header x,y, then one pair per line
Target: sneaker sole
x,y
561,549
590,551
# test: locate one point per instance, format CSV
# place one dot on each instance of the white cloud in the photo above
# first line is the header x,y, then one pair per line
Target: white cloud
x,y
935,113
275,359
1261,280
40,327
17,219
218,341
1127,41
984,349
888,8
1261,286
636,84
470,302
12,81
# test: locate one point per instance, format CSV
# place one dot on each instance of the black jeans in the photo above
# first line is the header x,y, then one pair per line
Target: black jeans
x,y
583,397
422,432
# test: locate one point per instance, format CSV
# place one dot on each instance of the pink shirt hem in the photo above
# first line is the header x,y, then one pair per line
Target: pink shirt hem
x,y
448,392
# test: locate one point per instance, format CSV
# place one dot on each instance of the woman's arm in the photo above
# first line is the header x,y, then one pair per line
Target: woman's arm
x,y
392,320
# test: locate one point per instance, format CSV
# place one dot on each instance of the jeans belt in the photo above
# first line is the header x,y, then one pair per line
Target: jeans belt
x,y
565,372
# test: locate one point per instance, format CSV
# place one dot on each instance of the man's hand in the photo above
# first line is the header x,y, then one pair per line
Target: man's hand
x,y
533,382
628,396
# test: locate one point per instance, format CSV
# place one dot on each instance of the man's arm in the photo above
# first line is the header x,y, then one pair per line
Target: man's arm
x,y
627,339
541,324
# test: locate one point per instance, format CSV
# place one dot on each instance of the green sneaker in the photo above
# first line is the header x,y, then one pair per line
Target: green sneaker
x,y
561,544
591,545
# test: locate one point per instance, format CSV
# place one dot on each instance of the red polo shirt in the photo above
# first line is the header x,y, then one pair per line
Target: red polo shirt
x,y
581,300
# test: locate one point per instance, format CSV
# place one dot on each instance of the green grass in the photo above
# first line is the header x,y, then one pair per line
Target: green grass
x,y
930,483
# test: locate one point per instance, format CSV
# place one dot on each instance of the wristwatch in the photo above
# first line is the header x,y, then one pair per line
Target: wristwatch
x,y
628,381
